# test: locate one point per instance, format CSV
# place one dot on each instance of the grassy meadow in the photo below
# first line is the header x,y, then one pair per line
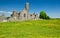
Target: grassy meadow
x,y
30,29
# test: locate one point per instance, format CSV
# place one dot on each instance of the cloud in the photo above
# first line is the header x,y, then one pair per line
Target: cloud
x,y
6,12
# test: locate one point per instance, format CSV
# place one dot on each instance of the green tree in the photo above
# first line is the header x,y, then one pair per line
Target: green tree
x,y
43,15
8,17
47,17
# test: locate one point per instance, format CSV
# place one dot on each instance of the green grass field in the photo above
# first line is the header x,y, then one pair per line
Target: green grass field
x,y
30,29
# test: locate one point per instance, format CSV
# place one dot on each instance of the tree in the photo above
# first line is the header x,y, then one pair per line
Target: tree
x,y
43,15
47,17
8,17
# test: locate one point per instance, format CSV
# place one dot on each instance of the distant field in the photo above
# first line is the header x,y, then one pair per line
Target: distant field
x,y
30,29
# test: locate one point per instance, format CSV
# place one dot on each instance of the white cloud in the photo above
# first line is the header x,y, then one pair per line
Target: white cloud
x,y
6,12
9,12
1,11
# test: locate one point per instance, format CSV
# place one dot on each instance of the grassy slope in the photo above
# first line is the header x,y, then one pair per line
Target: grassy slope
x,y
30,29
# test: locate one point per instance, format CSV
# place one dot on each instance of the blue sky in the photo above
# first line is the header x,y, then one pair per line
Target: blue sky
x,y
51,7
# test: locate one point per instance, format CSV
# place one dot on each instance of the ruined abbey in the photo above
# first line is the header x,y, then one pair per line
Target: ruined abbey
x,y
22,15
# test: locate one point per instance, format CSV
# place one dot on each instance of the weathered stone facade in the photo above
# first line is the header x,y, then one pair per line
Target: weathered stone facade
x,y
23,15
3,18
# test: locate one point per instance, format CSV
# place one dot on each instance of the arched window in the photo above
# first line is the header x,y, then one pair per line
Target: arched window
x,y
24,15
30,15
35,15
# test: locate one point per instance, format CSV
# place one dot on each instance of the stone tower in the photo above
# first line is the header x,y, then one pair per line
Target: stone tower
x,y
27,6
24,13
2,17
15,15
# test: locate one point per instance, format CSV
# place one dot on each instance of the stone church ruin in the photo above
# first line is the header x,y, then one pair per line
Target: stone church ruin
x,y
22,15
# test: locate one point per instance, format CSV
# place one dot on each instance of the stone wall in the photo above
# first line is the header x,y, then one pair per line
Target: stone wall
x,y
23,15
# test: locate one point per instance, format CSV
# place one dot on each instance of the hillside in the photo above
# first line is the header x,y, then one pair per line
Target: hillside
x,y
30,29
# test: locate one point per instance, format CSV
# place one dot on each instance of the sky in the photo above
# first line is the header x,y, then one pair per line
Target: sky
x,y
51,7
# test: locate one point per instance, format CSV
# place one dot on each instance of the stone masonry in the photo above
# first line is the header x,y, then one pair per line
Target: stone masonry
x,y
22,15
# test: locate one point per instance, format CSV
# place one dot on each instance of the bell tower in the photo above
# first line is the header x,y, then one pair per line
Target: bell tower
x,y
27,6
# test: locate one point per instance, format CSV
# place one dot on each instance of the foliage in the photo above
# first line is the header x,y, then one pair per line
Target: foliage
x,y
47,17
8,17
43,15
